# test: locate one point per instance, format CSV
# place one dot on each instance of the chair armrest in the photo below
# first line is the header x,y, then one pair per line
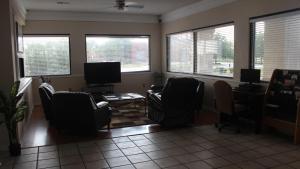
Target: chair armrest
x,y
153,90
102,104
273,106
156,88
155,98
298,112
102,115
200,95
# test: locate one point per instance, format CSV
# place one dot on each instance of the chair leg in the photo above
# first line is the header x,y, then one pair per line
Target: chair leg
x,y
218,124
297,135
220,127
108,124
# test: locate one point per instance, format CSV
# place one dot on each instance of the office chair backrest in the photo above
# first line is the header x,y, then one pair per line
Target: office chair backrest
x,y
224,97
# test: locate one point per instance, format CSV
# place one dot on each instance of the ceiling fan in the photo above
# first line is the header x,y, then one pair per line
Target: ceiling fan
x,y
122,5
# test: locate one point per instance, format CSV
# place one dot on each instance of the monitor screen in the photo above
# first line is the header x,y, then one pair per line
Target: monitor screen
x,y
102,72
250,75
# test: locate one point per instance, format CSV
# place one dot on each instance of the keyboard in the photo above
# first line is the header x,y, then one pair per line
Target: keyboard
x,y
249,87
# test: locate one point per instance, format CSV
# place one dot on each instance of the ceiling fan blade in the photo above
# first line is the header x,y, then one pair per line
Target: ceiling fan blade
x,y
134,6
106,7
124,6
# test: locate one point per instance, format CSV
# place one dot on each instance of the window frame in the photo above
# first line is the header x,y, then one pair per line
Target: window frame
x,y
252,35
52,35
123,36
194,31
168,51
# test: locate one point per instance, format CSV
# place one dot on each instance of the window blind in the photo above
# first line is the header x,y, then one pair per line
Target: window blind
x,y
215,51
46,55
132,51
181,52
276,43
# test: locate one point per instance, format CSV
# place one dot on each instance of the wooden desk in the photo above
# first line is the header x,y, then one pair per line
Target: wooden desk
x,y
254,102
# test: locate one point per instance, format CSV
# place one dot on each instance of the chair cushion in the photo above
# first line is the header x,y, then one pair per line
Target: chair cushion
x,y
156,97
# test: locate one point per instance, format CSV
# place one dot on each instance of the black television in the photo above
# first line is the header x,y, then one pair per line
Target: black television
x,y
250,75
102,72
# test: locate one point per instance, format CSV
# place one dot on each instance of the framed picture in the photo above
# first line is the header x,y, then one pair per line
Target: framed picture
x,y
19,38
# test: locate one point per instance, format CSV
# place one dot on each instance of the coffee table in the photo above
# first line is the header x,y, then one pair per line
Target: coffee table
x,y
119,99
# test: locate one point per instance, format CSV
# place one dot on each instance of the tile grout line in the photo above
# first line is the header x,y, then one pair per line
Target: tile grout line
x,y
261,142
37,161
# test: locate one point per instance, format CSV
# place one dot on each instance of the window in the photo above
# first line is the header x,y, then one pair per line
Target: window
x,y
181,53
276,43
215,51
46,55
207,51
131,51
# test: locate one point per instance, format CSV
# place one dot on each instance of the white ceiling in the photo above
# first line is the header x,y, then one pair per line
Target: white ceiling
x,y
153,7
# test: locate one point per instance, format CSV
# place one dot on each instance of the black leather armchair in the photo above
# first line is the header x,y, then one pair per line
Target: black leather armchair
x,y
176,103
46,92
78,112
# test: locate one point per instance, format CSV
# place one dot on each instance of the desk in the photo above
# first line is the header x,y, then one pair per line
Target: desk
x,y
254,102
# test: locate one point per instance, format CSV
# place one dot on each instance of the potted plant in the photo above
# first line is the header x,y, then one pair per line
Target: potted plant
x,y
13,111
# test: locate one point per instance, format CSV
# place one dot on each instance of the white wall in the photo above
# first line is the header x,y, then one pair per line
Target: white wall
x,y
239,12
131,82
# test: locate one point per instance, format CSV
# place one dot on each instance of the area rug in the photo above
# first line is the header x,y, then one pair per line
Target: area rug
x,y
129,115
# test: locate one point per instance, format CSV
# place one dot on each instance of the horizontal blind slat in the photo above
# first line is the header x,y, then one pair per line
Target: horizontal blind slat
x,y
277,43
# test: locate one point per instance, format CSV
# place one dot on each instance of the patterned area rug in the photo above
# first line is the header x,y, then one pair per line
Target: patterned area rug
x,y
129,115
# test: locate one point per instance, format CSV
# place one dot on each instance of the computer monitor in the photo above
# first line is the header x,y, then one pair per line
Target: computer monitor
x,y
250,75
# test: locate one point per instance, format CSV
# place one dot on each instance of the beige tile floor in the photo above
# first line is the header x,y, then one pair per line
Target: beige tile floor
x,y
195,148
